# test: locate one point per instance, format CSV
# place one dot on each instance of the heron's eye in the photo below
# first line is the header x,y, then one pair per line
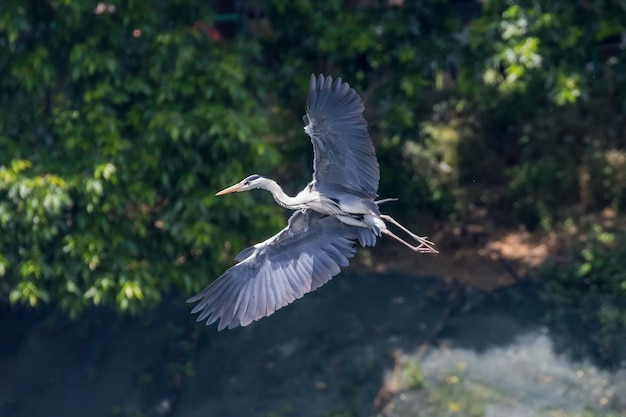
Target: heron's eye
x,y
246,183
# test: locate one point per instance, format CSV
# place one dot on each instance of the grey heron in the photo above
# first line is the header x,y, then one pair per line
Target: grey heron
x,y
335,210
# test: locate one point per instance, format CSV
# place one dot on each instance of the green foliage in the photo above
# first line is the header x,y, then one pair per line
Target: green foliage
x,y
411,376
533,99
117,127
391,55
456,395
547,43
118,122
545,107
592,289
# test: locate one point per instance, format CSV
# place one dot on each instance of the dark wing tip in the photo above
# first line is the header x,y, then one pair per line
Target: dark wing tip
x,y
312,83
323,90
328,82
321,82
194,299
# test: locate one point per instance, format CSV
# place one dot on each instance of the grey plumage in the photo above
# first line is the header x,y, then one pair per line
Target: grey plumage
x,y
344,154
334,211
301,258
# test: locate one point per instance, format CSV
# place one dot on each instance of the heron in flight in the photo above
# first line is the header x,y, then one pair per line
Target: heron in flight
x,y
335,210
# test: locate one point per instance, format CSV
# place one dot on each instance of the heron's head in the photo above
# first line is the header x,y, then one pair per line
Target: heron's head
x,y
248,183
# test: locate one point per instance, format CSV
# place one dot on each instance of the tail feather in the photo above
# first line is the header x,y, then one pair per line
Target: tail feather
x,y
366,237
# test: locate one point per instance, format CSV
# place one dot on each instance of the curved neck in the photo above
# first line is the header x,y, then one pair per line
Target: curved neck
x,y
280,196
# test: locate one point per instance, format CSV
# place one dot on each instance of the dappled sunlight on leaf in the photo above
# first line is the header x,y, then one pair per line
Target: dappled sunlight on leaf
x,y
138,131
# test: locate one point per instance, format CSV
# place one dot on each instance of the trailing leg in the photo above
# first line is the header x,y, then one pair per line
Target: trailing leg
x,y
425,246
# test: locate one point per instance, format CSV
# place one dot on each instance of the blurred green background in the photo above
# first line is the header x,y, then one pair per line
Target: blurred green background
x,y
120,120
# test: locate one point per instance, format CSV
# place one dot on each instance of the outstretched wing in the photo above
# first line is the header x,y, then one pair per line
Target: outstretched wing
x,y
299,259
344,154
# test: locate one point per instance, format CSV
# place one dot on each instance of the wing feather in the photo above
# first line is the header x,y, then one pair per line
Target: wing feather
x,y
301,258
262,296
252,305
344,153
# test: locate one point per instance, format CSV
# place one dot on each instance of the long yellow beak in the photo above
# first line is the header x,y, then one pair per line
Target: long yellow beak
x,y
230,189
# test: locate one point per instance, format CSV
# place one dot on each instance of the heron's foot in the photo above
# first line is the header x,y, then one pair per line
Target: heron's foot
x,y
424,245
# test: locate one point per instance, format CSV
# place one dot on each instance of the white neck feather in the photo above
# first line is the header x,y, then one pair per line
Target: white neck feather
x,y
280,196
